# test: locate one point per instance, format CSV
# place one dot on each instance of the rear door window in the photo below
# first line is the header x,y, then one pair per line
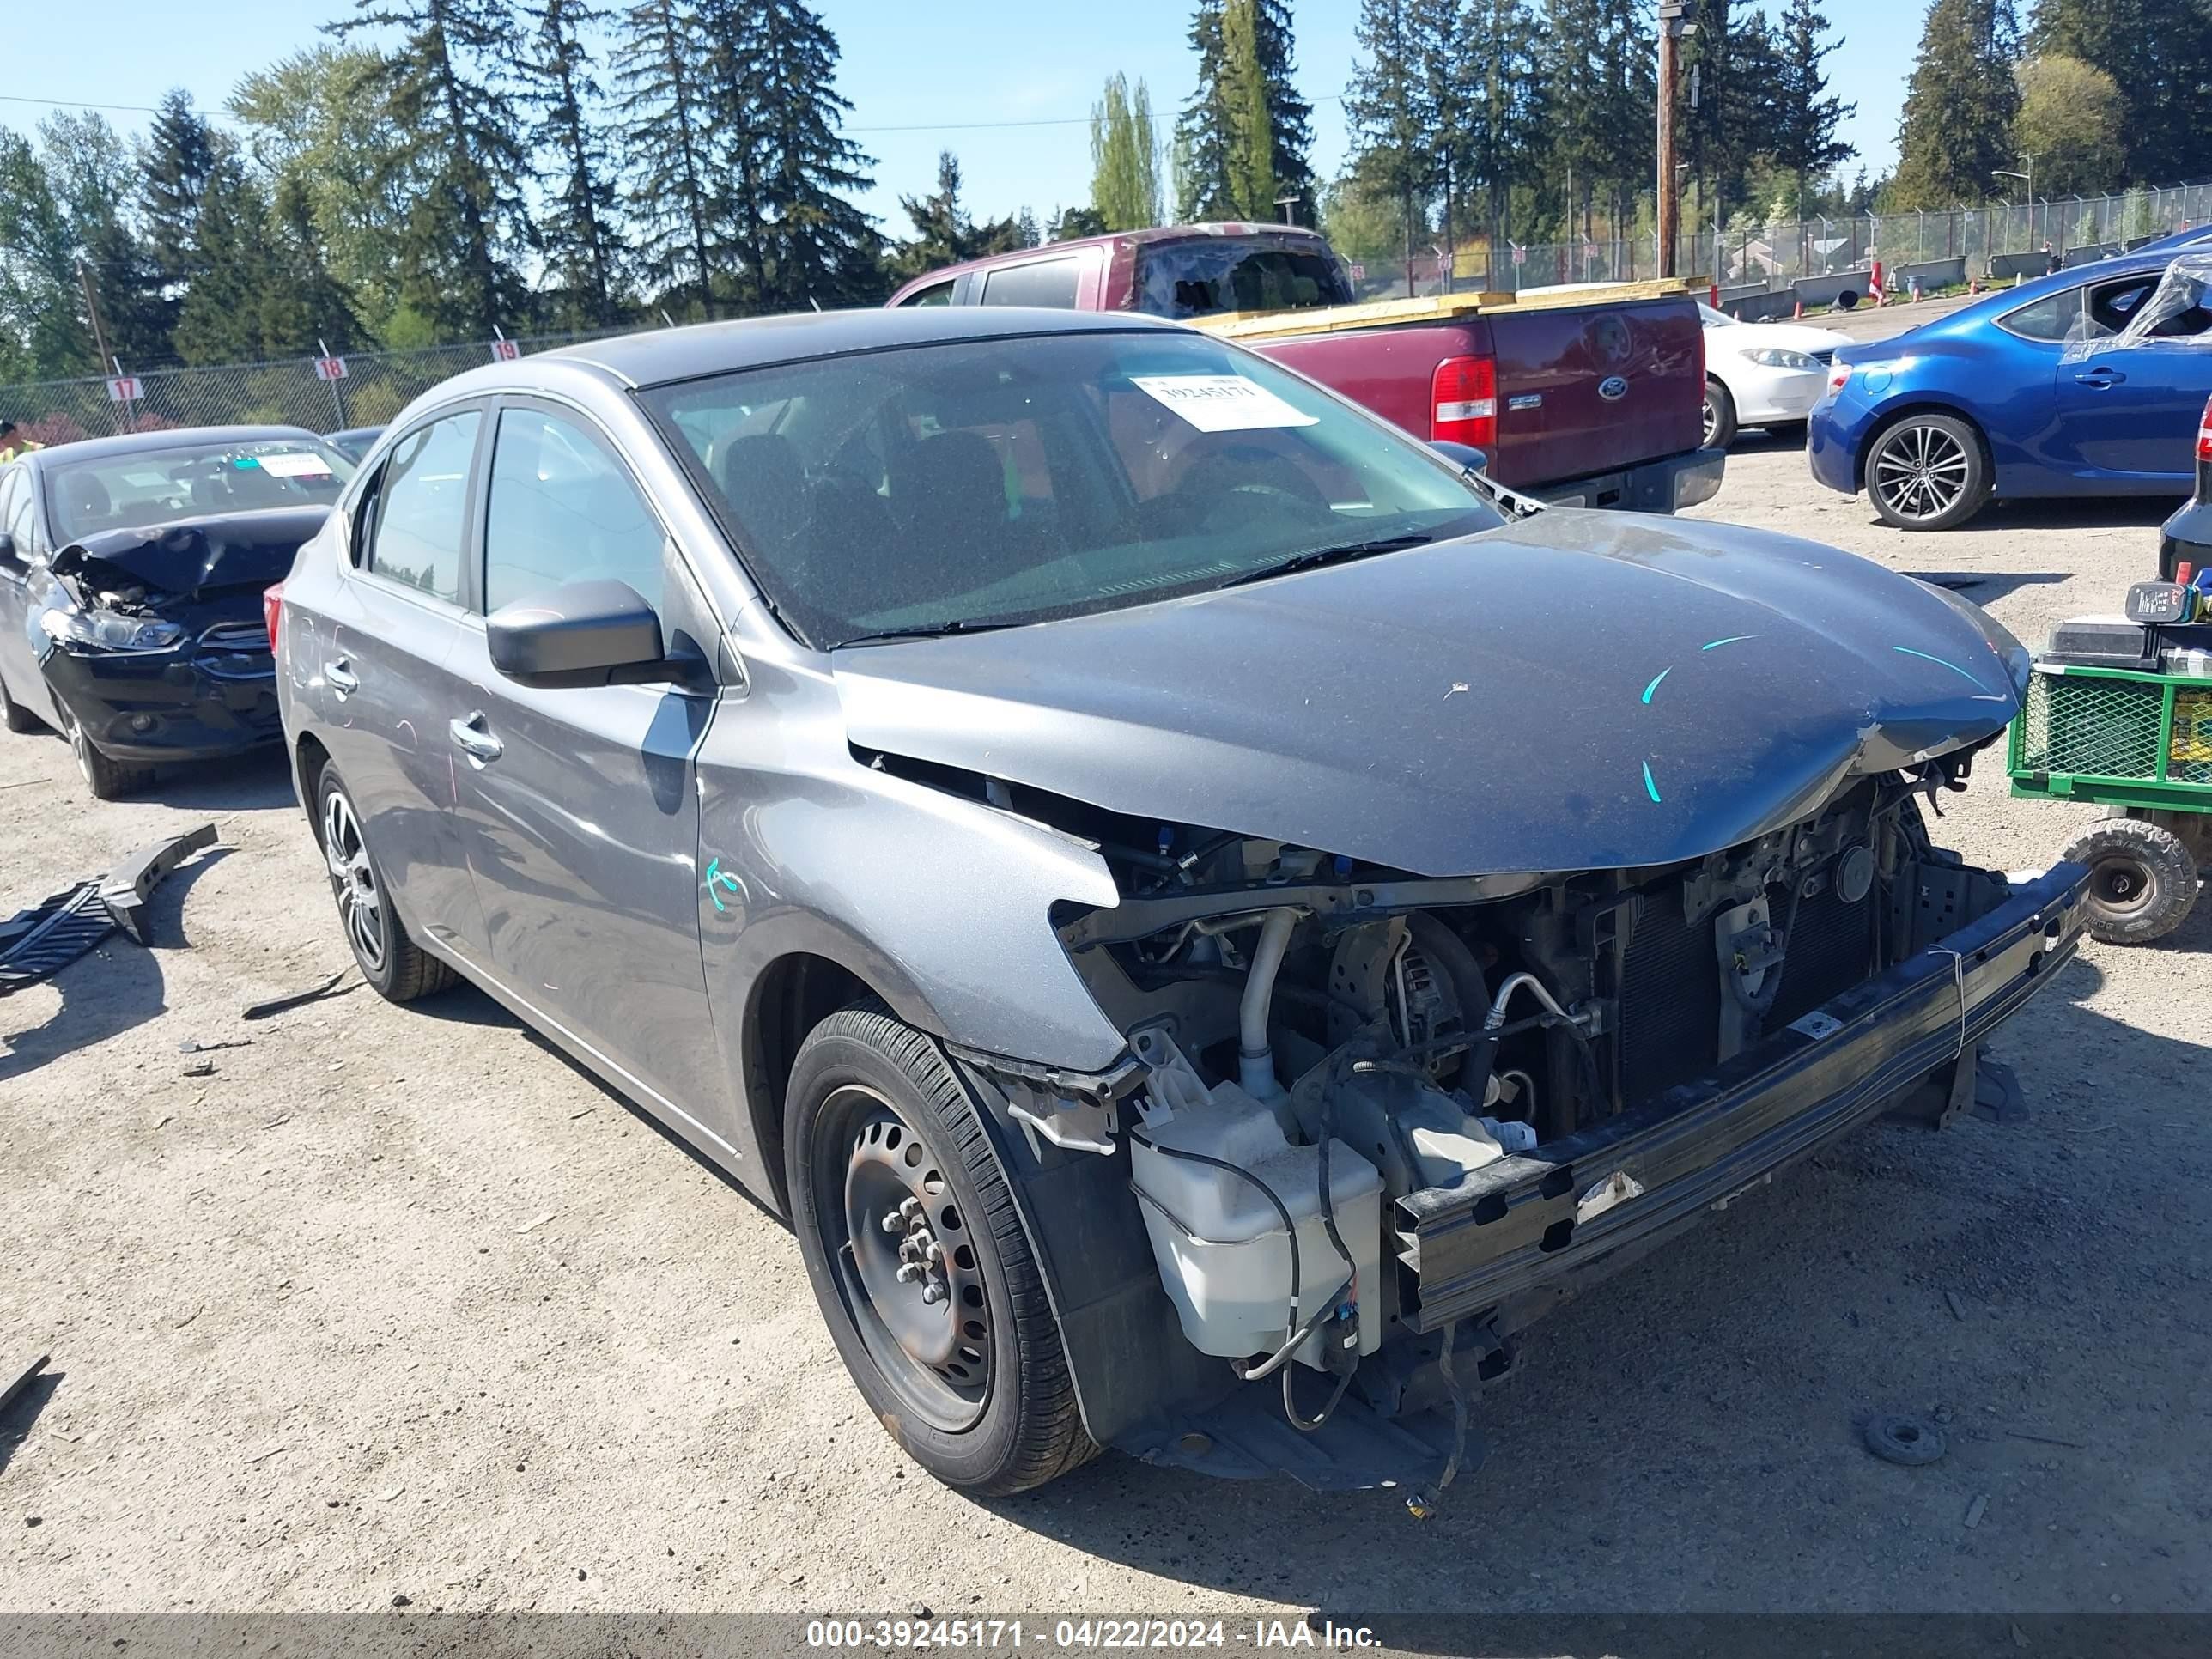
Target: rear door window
x,y
937,294
1050,282
420,517
1202,278
2052,317
563,509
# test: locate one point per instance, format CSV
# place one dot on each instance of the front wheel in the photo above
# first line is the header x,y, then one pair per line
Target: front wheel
x,y
918,1261
1719,416
13,714
1928,473
108,780
2143,880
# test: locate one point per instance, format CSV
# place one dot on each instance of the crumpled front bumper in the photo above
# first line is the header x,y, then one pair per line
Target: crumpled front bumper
x,y
191,704
1523,1224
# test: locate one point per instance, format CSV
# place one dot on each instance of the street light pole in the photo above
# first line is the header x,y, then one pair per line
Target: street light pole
x,y
1675,26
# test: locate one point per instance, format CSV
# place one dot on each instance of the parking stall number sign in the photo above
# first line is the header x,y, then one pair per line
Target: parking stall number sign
x,y
505,351
125,389
330,369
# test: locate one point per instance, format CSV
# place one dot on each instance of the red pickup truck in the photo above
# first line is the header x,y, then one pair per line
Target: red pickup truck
x,y
1577,399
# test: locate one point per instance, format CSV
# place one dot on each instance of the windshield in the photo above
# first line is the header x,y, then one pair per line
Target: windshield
x,y
152,486
982,484
1712,318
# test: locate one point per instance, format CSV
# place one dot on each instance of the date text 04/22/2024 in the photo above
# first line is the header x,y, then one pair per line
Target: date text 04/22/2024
x,y
887,1635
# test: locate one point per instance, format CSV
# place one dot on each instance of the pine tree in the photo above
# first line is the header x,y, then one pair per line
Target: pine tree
x,y
662,103
1386,107
1803,139
445,84
1125,174
1444,63
1249,144
178,155
1290,118
1506,101
1958,105
239,272
1208,129
788,173
1576,87
578,228
2160,53
944,235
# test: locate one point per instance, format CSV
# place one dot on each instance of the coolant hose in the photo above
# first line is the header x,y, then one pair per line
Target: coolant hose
x,y
1256,1060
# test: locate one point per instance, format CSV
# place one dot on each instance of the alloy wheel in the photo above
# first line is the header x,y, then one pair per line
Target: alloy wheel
x,y
906,1270
1921,472
1709,420
353,881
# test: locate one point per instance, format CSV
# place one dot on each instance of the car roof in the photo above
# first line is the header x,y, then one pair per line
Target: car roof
x,y
660,355
1149,237
175,437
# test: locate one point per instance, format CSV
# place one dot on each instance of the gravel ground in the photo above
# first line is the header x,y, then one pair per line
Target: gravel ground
x,y
398,1304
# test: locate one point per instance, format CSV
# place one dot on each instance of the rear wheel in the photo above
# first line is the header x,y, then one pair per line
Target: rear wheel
x,y
108,780
1719,416
1928,473
919,1260
396,968
2143,880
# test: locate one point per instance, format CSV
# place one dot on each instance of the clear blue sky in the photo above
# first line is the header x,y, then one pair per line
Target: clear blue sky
x,y
939,72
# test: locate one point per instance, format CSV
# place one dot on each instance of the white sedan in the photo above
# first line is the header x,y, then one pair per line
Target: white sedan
x,y
1767,374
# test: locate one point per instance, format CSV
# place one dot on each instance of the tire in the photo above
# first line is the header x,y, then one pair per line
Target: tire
x,y
878,1127
1928,473
2143,880
14,715
396,968
108,780
1720,416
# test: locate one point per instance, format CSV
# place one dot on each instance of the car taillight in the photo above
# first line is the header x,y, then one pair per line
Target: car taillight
x,y
1839,376
1463,402
2204,433
272,610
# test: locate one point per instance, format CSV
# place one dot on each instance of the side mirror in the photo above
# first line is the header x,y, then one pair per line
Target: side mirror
x,y
1467,456
580,634
8,548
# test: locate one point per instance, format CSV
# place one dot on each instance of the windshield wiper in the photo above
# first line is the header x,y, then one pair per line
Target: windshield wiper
x,y
1313,558
922,631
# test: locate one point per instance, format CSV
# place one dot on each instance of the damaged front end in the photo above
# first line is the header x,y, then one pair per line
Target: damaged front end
x,y
1372,1124
152,641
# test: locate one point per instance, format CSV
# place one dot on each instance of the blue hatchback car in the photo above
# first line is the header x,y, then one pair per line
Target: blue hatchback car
x,y
1934,423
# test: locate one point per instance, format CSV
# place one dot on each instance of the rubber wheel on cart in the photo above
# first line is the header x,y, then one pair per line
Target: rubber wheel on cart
x,y
108,780
2143,880
919,1260
396,968
1720,416
1928,473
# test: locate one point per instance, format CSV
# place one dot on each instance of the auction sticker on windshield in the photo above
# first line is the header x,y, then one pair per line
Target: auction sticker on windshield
x,y
1220,403
293,465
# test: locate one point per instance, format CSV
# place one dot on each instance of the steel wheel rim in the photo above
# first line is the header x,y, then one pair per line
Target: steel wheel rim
x,y
353,881
2121,885
1921,472
934,1353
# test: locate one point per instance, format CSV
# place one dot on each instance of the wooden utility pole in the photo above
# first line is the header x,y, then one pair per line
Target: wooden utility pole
x,y
1674,25
100,339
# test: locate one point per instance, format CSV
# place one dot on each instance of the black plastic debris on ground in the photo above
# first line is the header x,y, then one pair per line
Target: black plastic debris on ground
x,y
38,943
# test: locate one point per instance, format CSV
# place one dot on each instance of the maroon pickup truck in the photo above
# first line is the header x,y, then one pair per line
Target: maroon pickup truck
x,y
1577,399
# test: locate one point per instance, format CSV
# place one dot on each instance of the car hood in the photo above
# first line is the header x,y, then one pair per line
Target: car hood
x,y
1787,337
1574,691
189,557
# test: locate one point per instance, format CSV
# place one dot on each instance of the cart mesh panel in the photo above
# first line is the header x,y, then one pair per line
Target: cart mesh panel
x,y
2091,727
1670,1000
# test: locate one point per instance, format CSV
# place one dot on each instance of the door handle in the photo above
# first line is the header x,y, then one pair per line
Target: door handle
x,y
474,740
2101,376
341,677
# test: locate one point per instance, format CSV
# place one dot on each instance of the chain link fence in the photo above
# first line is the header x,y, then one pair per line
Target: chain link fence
x,y
1991,241
363,388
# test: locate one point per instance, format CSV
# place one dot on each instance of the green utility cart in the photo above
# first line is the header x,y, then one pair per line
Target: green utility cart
x,y
2137,739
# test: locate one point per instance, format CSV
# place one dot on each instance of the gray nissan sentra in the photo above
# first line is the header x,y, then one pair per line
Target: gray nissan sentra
x,y
1206,917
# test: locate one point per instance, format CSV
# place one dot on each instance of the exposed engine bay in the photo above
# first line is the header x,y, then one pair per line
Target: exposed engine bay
x,y
1424,1031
